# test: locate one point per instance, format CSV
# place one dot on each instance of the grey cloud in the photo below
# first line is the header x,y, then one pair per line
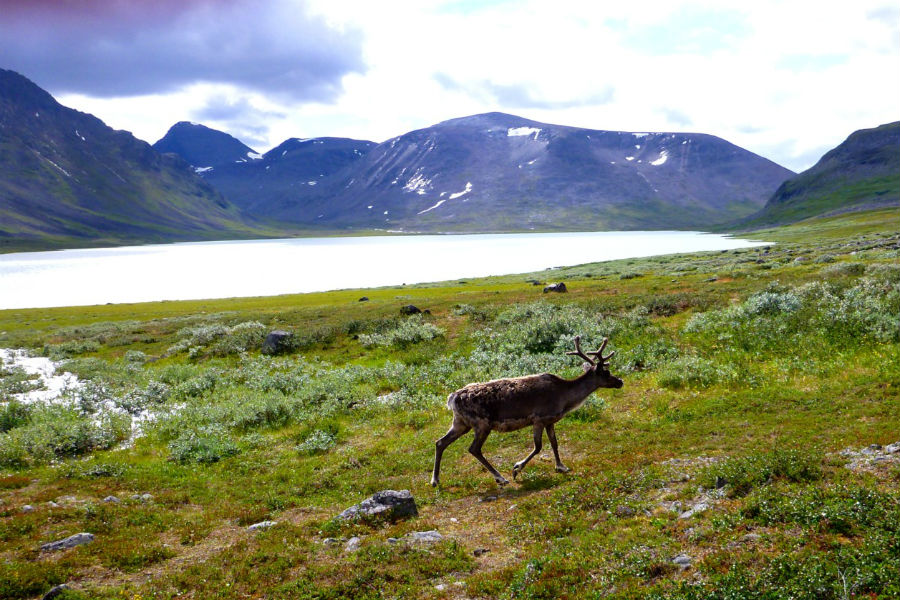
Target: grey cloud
x,y
240,119
271,47
676,117
519,95
220,108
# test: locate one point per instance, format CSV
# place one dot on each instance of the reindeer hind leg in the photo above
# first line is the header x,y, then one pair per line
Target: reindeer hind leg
x,y
538,434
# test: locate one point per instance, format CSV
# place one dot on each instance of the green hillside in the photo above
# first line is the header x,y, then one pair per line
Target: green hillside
x,y
863,172
750,454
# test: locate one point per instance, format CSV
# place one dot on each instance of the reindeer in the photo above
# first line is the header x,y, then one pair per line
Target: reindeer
x,y
511,404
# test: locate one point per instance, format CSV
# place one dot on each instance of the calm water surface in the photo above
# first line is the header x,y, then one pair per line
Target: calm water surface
x,y
269,267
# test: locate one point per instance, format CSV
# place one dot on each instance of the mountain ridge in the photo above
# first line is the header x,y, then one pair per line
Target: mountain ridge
x,y
68,179
500,172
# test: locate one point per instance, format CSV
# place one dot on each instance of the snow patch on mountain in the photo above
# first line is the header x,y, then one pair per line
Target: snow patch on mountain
x,y
663,156
199,170
462,193
417,183
254,155
522,131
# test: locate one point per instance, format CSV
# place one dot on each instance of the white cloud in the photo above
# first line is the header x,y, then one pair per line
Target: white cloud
x,y
787,80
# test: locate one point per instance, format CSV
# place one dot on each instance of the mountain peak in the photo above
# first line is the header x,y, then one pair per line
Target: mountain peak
x,y
202,146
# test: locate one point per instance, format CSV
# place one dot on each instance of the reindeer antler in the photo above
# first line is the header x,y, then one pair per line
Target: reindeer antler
x,y
598,354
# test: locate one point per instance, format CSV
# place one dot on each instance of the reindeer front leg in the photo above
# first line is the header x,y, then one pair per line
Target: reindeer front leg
x,y
475,450
538,434
551,435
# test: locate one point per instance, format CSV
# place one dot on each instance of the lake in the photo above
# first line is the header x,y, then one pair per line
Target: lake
x,y
198,270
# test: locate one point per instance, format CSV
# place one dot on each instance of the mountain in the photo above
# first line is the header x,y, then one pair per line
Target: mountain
x,y
862,172
499,172
271,185
203,147
66,179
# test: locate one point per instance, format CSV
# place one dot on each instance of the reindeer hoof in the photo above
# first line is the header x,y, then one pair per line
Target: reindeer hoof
x,y
435,482
516,470
502,481
562,469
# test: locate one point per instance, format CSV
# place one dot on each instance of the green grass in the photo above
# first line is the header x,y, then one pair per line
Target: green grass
x,y
746,370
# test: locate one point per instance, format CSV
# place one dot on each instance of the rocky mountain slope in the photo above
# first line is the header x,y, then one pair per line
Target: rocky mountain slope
x,y
68,179
499,172
202,146
862,172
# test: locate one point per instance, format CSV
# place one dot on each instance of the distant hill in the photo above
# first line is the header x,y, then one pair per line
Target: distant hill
x,y
862,172
499,172
203,147
66,179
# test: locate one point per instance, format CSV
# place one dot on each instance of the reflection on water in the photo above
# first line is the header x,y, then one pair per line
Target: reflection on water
x,y
269,267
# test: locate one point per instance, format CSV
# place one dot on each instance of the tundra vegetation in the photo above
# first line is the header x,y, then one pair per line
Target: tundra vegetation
x,y
716,471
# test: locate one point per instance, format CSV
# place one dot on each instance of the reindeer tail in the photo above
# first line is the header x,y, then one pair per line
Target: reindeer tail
x,y
451,401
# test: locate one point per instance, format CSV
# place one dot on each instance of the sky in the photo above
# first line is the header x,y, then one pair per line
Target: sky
x,y
788,80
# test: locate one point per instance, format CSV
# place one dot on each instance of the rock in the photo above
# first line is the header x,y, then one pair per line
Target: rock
x,y
262,525
52,504
671,506
872,449
694,510
332,541
682,560
711,279
441,587
278,342
801,259
112,499
751,537
27,508
364,299
624,511
892,448
480,551
352,544
393,540
55,592
69,542
409,309
146,497
424,537
720,482
387,504
559,288
487,498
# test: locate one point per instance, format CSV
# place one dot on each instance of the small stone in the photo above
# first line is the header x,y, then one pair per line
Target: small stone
x,y
694,510
352,544
69,542
424,537
711,279
490,498
441,587
55,592
330,541
624,511
112,499
480,552
682,560
364,299
278,342
410,309
751,537
52,504
559,288
892,448
27,508
454,520
136,497
393,540
386,504
262,525
872,449
720,482
146,497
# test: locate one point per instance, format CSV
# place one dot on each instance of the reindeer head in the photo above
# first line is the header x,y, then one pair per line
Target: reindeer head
x,y
598,366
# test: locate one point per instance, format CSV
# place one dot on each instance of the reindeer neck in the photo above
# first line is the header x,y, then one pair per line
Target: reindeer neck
x,y
579,389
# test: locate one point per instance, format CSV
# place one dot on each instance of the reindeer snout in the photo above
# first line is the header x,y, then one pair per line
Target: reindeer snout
x,y
618,383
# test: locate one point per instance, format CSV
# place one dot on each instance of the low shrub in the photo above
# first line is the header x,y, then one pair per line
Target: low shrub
x,y
743,474
410,331
205,445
